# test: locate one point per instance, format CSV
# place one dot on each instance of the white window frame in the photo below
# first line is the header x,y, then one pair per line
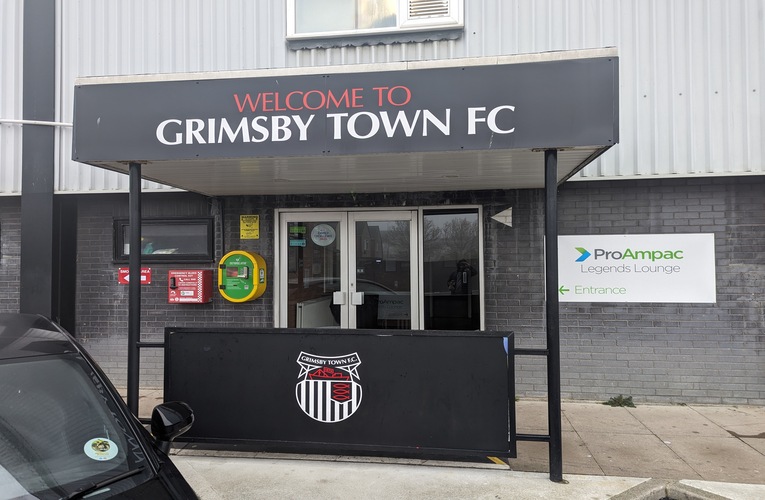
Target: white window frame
x,y
453,20
280,253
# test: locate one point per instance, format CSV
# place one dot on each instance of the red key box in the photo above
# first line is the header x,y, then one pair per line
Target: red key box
x,y
189,286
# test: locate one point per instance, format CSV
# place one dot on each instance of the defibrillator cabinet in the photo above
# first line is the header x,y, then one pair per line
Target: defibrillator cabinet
x,y
241,276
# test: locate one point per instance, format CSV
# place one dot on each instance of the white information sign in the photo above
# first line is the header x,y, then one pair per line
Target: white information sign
x,y
677,268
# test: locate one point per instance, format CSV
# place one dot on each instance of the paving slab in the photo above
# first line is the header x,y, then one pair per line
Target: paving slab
x,y
744,421
746,431
237,478
670,421
599,418
535,456
720,458
756,443
531,417
636,455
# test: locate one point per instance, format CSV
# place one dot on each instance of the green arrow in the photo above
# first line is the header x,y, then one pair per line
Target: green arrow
x,y
563,290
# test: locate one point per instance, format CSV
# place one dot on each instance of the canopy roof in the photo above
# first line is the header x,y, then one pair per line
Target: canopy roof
x,y
479,123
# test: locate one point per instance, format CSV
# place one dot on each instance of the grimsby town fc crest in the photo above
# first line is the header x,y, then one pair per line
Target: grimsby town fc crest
x,y
328,389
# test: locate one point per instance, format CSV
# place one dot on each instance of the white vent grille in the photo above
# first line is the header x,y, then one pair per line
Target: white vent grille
x,y
420,9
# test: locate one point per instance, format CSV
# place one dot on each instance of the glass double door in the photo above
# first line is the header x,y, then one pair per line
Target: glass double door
x,y
349,270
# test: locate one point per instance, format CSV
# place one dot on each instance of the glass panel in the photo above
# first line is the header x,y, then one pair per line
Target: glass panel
x,y
320,16
450,260
59,432
375,14
383,270
167,240
313,274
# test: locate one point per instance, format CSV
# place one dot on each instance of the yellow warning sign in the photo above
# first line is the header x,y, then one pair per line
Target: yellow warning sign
x,y
249,227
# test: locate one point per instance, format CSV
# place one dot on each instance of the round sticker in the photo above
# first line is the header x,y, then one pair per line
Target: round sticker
x,y
323,235
101,449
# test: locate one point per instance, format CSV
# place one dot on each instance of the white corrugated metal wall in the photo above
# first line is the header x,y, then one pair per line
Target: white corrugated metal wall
x,y
10,95
691,71
145,36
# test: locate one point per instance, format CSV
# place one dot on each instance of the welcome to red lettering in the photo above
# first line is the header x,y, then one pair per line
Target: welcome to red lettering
x,y
299,100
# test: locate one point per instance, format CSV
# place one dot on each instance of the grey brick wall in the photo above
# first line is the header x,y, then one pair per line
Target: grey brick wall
x,y
683,353
102,312
10,253
680,353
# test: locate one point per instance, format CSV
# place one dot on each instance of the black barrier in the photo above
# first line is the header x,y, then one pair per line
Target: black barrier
x,y
385,392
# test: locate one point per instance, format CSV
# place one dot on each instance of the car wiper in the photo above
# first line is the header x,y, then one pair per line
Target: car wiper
x,y
82,492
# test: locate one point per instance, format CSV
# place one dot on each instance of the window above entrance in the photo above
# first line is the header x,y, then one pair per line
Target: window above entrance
x,y
167,240
310,19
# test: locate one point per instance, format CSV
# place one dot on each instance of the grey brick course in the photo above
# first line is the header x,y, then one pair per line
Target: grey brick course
x,y
10,253
713,352
679,353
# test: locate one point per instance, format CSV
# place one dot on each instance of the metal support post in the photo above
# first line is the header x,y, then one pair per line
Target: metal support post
x,y
134,292
38,224
553,319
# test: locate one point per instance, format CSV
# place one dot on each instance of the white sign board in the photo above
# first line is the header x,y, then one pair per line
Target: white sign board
x,y
677,268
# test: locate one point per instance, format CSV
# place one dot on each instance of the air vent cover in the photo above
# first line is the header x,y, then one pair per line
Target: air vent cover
x,y
420,9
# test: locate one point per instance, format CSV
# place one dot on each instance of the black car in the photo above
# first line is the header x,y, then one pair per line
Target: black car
x,y
65,431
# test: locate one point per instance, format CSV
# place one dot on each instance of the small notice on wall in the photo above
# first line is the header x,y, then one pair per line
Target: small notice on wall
x,y
249,227
123,276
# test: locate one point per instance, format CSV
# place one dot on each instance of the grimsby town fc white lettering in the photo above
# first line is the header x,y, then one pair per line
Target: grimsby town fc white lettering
x,y
358,125
174,132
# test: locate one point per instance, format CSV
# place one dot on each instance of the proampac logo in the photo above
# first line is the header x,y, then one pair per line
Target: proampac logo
x,y
628,254
585,254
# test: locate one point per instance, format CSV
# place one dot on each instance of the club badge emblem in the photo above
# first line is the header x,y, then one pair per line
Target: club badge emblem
x,y
328,388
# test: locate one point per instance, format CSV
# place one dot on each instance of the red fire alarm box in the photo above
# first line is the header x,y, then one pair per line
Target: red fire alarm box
x,y
189,286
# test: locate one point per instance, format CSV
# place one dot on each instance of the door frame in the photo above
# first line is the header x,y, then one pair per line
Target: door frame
x,y
318,214
282,218
411,215
346,219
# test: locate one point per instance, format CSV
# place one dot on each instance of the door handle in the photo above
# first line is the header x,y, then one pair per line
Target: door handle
x,y
357,298
338,298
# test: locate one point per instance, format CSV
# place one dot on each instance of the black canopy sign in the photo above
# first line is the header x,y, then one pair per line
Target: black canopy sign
x,y
565,103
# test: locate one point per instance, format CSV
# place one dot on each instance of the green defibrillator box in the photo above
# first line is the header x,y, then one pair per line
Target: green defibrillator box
x,y
241,276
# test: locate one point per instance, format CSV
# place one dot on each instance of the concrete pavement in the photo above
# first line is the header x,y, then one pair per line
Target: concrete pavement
x,y
305,477
695,442
648,452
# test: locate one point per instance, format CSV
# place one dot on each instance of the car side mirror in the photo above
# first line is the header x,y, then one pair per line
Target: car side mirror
x,y
170,420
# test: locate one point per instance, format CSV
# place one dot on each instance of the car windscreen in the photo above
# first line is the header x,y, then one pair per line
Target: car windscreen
x,y
60,430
